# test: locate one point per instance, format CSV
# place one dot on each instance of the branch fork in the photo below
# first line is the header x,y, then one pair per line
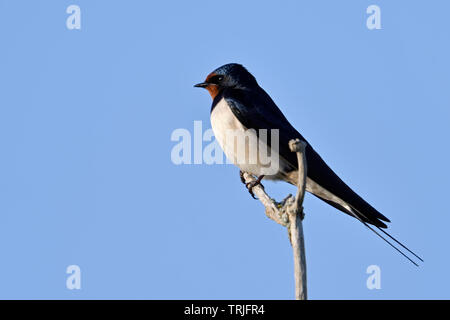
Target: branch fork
x,y
289,213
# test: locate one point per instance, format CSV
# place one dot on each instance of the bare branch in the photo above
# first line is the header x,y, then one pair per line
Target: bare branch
x,y
295,217
289,213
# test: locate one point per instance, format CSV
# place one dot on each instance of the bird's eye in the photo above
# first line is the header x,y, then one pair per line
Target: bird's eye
x,y
217,79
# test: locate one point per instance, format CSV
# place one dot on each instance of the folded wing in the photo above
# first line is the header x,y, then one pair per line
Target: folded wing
x,y
256,110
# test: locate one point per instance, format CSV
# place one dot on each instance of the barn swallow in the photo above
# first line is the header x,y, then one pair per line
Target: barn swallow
x,y
239,103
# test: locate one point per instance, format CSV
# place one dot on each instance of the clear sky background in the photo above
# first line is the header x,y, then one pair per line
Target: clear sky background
x,y
86,176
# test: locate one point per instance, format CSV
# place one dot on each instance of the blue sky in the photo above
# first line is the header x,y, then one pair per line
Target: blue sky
x,y
86,176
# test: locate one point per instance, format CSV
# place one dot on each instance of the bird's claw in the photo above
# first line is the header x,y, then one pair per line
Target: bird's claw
x,y
241,175
250,185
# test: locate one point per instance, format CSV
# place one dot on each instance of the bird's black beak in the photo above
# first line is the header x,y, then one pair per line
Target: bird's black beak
x,y
201,85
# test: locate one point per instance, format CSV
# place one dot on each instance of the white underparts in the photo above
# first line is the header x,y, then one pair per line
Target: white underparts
x,y
252,154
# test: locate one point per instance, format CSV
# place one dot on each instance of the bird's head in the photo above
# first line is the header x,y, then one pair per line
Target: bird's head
x,y
231,75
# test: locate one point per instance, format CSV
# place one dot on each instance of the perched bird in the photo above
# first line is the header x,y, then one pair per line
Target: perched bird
x,y
241,105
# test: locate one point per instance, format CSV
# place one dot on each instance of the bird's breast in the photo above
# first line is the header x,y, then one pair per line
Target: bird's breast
x,y
240,144
224,123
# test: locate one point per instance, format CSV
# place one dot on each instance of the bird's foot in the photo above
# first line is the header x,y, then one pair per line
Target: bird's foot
x,y
252,184
241,175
